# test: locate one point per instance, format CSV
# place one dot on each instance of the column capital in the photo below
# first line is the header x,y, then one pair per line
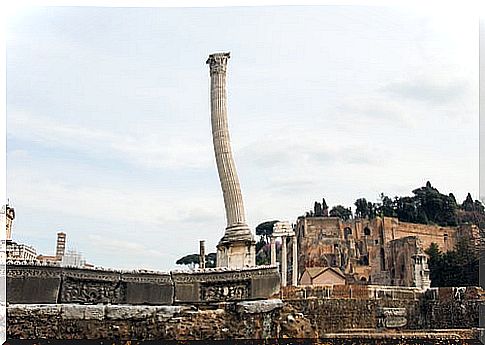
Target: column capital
x,y
218,62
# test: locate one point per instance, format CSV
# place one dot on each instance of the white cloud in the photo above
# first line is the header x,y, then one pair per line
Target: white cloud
x,y
113,130
120,202
150,149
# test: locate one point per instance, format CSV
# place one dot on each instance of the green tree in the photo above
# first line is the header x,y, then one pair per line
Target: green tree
x,y
459,267
435,264
361,208
211,260
265,229
468,205
192,260
262,252
372,209
434,207
341,212
406,209
387,208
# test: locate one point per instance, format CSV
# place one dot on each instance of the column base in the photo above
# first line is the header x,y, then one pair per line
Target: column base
x,y
237,254
236,233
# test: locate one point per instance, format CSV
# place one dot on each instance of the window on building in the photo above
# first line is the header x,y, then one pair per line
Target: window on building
x,y
347,232
366,231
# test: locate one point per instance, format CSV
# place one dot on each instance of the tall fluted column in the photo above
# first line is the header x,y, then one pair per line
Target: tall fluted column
x,y
237,230
284,261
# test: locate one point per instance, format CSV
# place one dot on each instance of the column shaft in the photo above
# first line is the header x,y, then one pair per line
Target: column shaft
x,y
273,251
295,262
284,261
220,135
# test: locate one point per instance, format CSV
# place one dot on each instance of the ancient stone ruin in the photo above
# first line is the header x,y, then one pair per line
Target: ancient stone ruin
x,y
364,279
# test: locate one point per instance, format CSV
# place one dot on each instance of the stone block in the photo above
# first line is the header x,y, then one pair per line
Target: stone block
x,y
94,312
263,306
72,311
219,285
91,287
392,317
125,312
265,284
187,292
167,312
148,288
33,284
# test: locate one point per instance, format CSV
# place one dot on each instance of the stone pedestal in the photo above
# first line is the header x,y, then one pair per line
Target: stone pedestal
x,y
236,254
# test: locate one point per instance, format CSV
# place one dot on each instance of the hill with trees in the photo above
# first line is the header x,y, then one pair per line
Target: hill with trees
x,y
426,206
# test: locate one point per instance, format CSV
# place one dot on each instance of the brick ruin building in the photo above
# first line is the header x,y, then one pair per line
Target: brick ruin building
x,y
382,250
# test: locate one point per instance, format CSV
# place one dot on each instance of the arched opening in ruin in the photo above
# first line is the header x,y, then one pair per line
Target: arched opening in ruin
x,y
366,231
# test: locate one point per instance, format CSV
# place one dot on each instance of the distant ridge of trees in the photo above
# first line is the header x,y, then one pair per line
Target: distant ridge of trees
x,y
426,206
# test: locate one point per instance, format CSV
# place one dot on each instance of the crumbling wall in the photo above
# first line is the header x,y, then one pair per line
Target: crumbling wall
x,y
244,320
377,312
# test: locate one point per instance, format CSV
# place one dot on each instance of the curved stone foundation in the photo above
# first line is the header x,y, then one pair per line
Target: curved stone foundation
x,y
37,283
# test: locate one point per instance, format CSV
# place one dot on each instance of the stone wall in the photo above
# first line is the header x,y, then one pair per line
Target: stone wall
x,y
241,320
440,314
34,283
444,236
364,306
362,292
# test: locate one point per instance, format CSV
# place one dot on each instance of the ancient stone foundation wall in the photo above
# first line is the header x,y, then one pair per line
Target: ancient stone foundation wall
x,y
439,313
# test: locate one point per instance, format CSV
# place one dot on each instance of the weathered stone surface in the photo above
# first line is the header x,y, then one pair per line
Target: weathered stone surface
x,y
226,285
164,312
296,318
44,284
31,284
264,286
72,312
91,286
94,312
147,288
124,312
263,306
392,317
36,283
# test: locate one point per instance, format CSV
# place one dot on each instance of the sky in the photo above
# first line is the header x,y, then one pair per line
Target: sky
x,y
108,119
